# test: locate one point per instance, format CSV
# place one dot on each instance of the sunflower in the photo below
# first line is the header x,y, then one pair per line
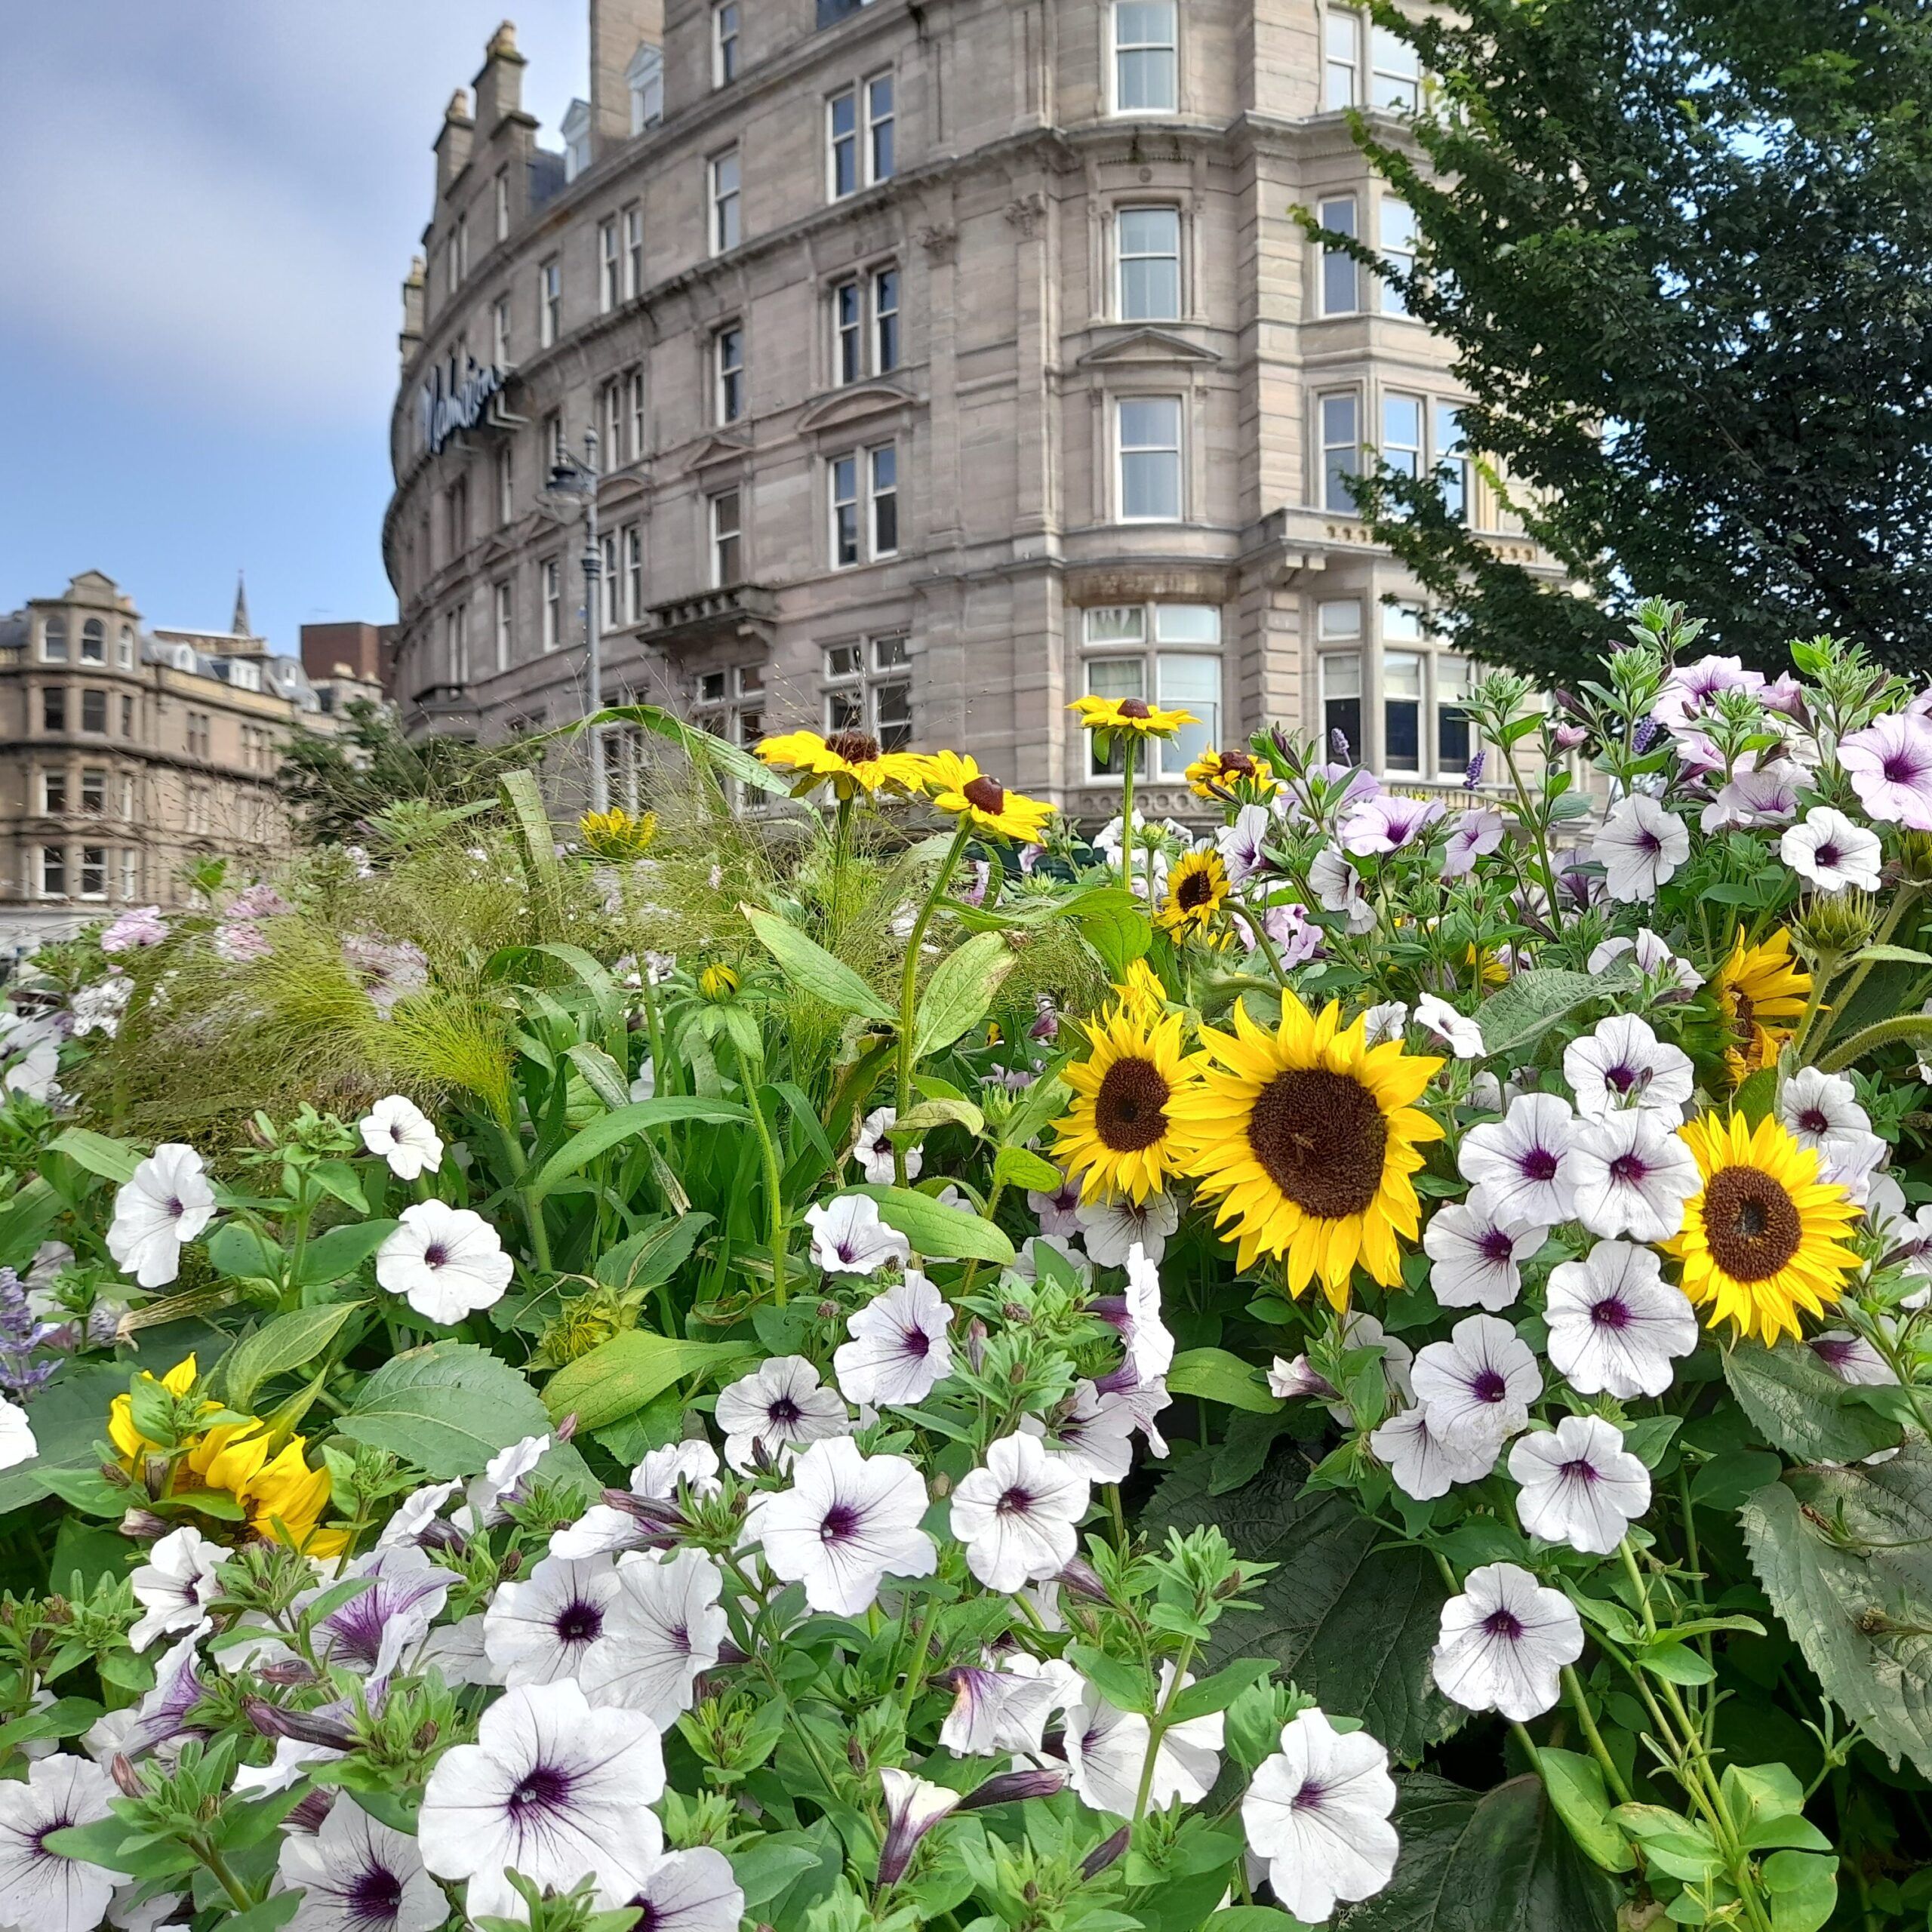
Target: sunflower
x,y
1308,1135
1118,1136
959,786
1129,717
1140,992
617,835
851,760
1762,1238
1216,774
1755,985
1197,890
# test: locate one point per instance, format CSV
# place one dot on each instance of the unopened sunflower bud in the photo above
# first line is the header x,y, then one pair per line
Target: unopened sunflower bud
x,y
1107,1852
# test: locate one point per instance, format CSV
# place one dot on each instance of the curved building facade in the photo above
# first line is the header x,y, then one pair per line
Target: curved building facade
x,y
946,359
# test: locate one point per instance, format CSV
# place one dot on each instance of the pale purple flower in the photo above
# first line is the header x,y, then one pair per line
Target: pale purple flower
x,y
1831,852
777,1407
1852,1359
1621,1063
848,1237
139,926
259,901
848,1522
1242,844
1504,1643
1093,1431
1475,835
1144,1401
1317,1811
1615,1324
1150,1347
689,1891
1338,885
658,1483
913,1806
1653,955
241,942
1761,795
1578,1484
398,1131
1890,764
1640,847
665,1628
389,971
1106,1752
1479,1253
1388,823
358,1874
374,1631
1525,1161
1019,1514
176,1585
1817,1108
1484,1374
898,1351
1055,1212
1633,1174
1006,1709
1690,687
1389,1019
178,1688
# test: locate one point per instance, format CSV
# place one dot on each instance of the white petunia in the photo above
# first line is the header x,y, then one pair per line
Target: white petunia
x,y
1831,852
40,1889
848,1522
17,1442
664,1626
374,1631
1478,1253
604,1529
167,1201
401,1132
1578,1484
848,1237
1523,1162
415,1512
1019,1514
551,1788
1092,1430
1426,1460
1056,1209
1150,1347
1318,1810
445,1261
1485,1375
293,1757
1388,1021
1621,1063
1338,885
1615,1324
358,1874
913,1806
1106,1754
1652,954
1852,1359
1242,844
1634,1173
1852,1163
899,1351
1006,1709
1111,1229
1460,1034
501,1483
1817,1108
552,1624
1026,1264
873,1151
1640,847
778,1407
175,1585
1504,1643
1361,1329
689,1891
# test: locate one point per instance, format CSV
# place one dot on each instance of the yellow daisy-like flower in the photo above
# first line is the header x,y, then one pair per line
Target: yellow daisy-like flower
x,y
1197,890
1140,992
1763,1238
959,786
1118,1134
1308,1136
717,983
852,761
1214,773
1130,717
121,1429
616,835
1755,985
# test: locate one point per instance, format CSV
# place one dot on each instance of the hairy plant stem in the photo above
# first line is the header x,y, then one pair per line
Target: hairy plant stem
x,y
1580,1703
1130,748
909,979
1908,896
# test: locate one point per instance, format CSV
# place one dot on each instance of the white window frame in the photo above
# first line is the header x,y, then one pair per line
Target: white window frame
x,y
848,332
1391,213
1393,60
718,534
51,872
123,647
1119,50
633,572
550,586
610,267
93,778
633,251
1325,448
848,139
124,794
1333,266
462,249
93,641
53,638
505,483
881,128
1125,453
500,332
725,22
502,204
634,391
504,600
883,314
1341,59
610,414
873,494
644,78
608,587
882,495
727,374
1154,639
861,676
725,178
130,873
1395,449
1449,448
1123,256
549,302
54,792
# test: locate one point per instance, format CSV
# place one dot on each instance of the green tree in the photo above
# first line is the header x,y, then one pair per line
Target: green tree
x,y
334,785
1683,251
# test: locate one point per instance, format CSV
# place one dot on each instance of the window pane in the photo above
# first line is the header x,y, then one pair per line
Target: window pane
x,y
1146,78
1401,623
1149,246
1401,711
1341,703
1341,280
1342,456
845,711
892,716
1187,623
1150,457
842,660
885,313
1401,432
1339,619
1397,76
890,654
1192,685
1339,46
1125,623
1452,721
1117,677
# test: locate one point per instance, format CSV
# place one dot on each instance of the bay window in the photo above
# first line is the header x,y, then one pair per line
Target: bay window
x,y
1167,655
1148,432
1146,65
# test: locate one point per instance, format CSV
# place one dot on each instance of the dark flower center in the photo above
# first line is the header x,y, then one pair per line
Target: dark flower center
x,y
1814,1121
916,1342
542,1788
1539,1163
1622,1077
1900,767
1487,1386
1130,1109
1195,890
984,795
854,747
1832,1352
1308,1797
1751,1223
435,1255
1321,1138
580,1622
1503,1623
1610,1313
648,1914
374,1896
838,1523
1628,1170
175,1207
1496,1246
1828,854
1016,1502
1134,707
1581,1470
783,1412
1239,763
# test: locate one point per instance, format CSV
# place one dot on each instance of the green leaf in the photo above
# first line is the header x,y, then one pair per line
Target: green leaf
x,y
112,1160
25,1221
929,1114
651,1256
621,1375
626,1123
1114,923
289,1342
1216,1693
960,993
336,1255
243,1254
1902,955
446,1409
1221,1377
1766,1804
68,1416
1123,1687
536,844
87,1490
110,1841
1576,1787
938,1232
601,1074
1253,1918
1725,1480
1494,1861
1019,1167
1845,1556
270,1916
1677,1663
1797,1402
812,970
1533,1002
699,744
1804,1888
1350,1619
1672,1842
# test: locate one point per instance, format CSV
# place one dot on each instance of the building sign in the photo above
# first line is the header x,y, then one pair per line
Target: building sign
x,y
452,403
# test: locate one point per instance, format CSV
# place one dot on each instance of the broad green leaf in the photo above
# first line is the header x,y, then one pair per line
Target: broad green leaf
x,y
812,970
1020,1167
601,1074
653,1255
960,993
1533,1002
289,1342
1114,923
1680,1846
1797,1403
930,1114
68,1416
242,1253
1221,1377
446,1409
1766,1804
626,1123
112,1160
631,1370
1124,1686
936,1231
1253,1918
1804,1888
1576,1787
25,1222
336,1254
1677,1663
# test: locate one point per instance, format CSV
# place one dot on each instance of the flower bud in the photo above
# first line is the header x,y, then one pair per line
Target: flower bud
x,y
144,1526
1013,1788
312,1812
1105,1852
567,1428
126,1777
1083,1579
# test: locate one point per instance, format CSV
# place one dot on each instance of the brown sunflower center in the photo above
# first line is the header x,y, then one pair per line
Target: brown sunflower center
x,y
1320,1137
1751,1223
985,796
854,747
1131,1110
1134,707
1194,891
1239,763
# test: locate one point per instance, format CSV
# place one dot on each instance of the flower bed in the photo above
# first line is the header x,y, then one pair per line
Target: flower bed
x,y
868,1363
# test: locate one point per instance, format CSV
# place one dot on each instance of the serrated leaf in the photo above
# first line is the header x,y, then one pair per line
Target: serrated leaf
x,y
289,1342
446,1409
960,993
653,1255
623,1374
1524,1009
812,970
936,1231
1797,1402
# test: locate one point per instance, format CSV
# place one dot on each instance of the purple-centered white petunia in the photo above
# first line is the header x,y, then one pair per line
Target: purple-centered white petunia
x,y
1387,1019
1757,795
1483,1377
358,1874
1578,1484
487,1497
1652,954
445,1261
872,1150
552,1788
1150,1347
1111,1228
848,1522
376,1630
401,1132
848,1237
1640,847
1479,1253
417,1512
1634,1173
1426,1460
1615,1324
689,1891
1019,1513
1890,764
664,1627
168,1200
1504,1642
1460,1034
777,1408
1055,1208
1621,1063
1475,835
997,1709
1818,1108
913,1806
1092,1430
1338,885
550,1624
1106,1753
1388,823
175,1585
1318,1810
1243,844
899,1351
1831,852
604,1530
41,1890
1852,1358
1523,1162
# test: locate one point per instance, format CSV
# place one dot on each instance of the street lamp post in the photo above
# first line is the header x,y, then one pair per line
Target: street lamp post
x,y
572,478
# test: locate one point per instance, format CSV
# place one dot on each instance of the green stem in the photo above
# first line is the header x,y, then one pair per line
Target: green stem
x,y
1827,965
775,1223
908,979
1881,1033
1580,1703
1157,1727
1129,746
533,1209
216,1864
1527,815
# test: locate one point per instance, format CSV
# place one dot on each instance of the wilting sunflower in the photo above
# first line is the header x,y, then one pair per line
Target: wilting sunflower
x,y
1129,717
1215,774
851,760
1762,1238
1755,985
1118,1135
959,786
617,835
1308,1135
1197,890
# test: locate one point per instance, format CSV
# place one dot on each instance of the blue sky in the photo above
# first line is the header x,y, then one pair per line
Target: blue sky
x,y
208,208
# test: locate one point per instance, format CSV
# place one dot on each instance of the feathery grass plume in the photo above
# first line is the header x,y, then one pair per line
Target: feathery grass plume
x,y
445,1037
